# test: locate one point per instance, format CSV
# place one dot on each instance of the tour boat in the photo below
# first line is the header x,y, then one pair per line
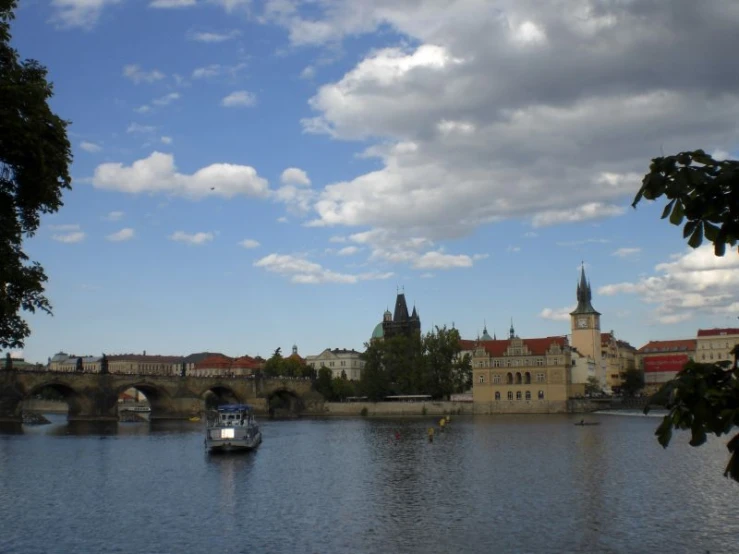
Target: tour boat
x,y
232,427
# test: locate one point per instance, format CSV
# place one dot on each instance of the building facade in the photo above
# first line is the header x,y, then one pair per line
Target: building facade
x,y
617,357
661,360
585,329
716,345
400,322
339,361
521,375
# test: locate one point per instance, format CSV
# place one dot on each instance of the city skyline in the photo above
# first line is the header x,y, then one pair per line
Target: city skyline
x,y
252,175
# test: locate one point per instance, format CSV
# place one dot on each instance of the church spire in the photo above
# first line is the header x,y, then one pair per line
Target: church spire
x,y
584,295
512,331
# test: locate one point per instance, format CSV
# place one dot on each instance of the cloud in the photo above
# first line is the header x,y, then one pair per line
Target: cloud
x,y
239,99
65,227
142,109
439,260
560,314
69,238
166,99
158,174
114,216
137,128
90,146
695,282
337,239
166,140
212,37
348,251
232,5
171,4
308,72
216,69
122,235
78,13
192,239
249,243
294,176
458,146
138,75
513,249
302,271
626,252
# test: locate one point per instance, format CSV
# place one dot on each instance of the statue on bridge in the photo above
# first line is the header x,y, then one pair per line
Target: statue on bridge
x,y
79,367
104,364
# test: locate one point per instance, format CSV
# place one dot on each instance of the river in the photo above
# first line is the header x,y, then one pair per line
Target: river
x,y
487,484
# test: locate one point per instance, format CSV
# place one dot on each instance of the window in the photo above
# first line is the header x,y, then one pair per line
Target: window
x,y
509,378
479,364
481,379
343,363
528,395
497,395
510,395
518,395
496,363
496,379
518,378
527,378
541,395
331,364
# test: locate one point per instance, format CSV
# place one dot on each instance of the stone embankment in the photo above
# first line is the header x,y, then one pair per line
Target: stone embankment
x,y
394,409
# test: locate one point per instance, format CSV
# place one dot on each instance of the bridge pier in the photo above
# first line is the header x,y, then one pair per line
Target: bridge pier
x,y
10,398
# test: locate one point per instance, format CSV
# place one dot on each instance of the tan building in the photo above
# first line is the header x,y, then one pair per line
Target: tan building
x,y
69,363
521,375
716,345
617,357
338,360
141,364
661,360
586,337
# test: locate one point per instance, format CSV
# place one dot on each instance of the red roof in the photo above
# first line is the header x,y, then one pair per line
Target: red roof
x,y
717,332
537,347
683,345
467,344
217,361
246,362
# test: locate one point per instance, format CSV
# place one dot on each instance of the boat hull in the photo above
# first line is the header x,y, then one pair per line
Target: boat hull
x,y
233,445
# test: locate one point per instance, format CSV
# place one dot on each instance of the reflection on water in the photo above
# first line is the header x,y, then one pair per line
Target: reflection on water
x,y
486,484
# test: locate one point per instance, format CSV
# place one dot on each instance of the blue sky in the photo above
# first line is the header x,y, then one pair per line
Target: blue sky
x,y
253,174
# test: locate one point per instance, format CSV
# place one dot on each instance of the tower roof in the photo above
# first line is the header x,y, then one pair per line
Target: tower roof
x,y
401,308
584,296
378,333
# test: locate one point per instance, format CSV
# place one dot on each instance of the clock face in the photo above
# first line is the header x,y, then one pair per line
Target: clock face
x,y
582,322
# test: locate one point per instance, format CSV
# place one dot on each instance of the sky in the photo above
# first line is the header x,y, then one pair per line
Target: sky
x,y
253,174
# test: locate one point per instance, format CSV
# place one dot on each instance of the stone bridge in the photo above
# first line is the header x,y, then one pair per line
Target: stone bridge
x,y
94,396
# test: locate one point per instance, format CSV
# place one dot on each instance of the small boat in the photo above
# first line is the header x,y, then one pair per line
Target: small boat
x,y
232,427
193,419
585,423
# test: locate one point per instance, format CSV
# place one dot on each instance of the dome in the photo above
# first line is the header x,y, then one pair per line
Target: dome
x,y
378,333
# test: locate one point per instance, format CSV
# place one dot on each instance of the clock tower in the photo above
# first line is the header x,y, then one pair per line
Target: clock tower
x,y
585,323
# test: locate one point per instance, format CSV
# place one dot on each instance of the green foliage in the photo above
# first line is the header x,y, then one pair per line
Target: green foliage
x,y
702,191
364,412
274,367
633,382
323,383
34,169
592,386
341,389
705,399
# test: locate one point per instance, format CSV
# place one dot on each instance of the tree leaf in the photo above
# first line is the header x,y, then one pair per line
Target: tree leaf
x,y
667,209
696,238
676,218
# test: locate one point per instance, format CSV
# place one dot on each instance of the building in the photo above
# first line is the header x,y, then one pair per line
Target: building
x,y
400,322
618,357
661,360
716,345
518,375
220,365
70,363
143,364
339,360
585,329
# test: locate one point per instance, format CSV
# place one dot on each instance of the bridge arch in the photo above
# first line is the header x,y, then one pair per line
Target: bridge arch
x,y
76,401
218,394
284,402
159,400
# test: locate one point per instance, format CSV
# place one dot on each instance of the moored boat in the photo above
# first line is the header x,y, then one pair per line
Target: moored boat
x,y
232,427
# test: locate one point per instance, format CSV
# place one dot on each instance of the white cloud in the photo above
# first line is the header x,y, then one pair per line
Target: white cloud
x,y
166,140
240,98
584,212
337,239
138,75
72,237
560,314
302,271
282,219
439,260
65,227
308,72
122,235
158,174
171,4
213,37
142,109
249,243
114,216
348,251
166,99
138,128
78,13
626,252
90,146
294,176
193,239
232,5
696,282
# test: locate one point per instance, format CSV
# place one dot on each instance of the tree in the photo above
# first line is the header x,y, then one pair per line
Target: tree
x,y
442,347
275,365
633,382
592,386
34,170
323,383
374,382
702,397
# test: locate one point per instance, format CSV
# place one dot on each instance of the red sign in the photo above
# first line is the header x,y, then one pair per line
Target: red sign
x,y
668,362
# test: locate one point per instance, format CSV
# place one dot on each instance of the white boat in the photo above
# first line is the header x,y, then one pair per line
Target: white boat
x,y
232,427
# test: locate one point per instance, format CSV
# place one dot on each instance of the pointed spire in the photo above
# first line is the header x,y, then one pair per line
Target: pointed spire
x,y
512,330
584,295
